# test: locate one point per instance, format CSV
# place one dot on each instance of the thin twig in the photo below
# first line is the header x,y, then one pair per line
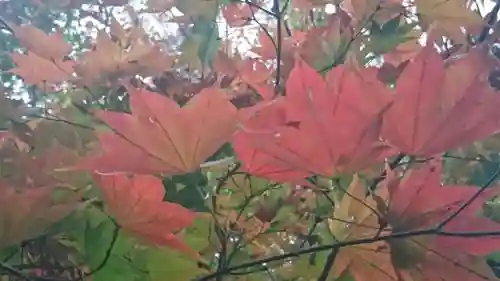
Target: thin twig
x,y
266,11
437,230
221,235
331,257
393,164
492,178
14,272
56,119
279,44
342,244
114,238
354,37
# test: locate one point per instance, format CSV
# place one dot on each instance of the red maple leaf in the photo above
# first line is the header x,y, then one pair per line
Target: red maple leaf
x,y
46,46
261,121
419,201
325,125
437,108
136,203
160,136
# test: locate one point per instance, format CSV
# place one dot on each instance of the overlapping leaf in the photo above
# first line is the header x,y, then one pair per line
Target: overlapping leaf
x,y
161,137
122,53
357,217
323,47
449,16
420,202
320,126
326,126
42,72
437,109
27,213
50,47
252,72
137,205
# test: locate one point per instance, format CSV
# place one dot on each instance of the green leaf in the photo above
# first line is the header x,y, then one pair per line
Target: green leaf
x,y
487,168
181,266
387,37
391,26
198,234
98,240
308,267
116,268
126,261
208,32
187,190
165,264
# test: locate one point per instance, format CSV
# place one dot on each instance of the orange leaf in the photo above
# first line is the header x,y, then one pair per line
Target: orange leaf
x,y
438,108
160,136
355,218
137,205
267,49
46,46
404,51
121,54
309,4
251,71
37,70
449,18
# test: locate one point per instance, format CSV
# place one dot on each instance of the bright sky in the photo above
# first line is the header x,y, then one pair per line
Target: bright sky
x,y
251,30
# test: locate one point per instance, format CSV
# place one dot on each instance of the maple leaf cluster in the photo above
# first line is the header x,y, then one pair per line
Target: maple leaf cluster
x,y
346,122
300,129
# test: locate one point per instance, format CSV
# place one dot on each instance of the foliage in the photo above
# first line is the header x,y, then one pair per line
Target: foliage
x,y
249,140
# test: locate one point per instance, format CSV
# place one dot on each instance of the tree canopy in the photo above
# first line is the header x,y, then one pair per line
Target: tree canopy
x,y
240,140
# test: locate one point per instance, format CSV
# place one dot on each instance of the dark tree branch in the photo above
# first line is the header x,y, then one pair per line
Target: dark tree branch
x,y
437,230
331,257
279,43
221,235
15,272
328,264
266,11
491,20
279,40
340,245
5,26
480,158
266,31
393,164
